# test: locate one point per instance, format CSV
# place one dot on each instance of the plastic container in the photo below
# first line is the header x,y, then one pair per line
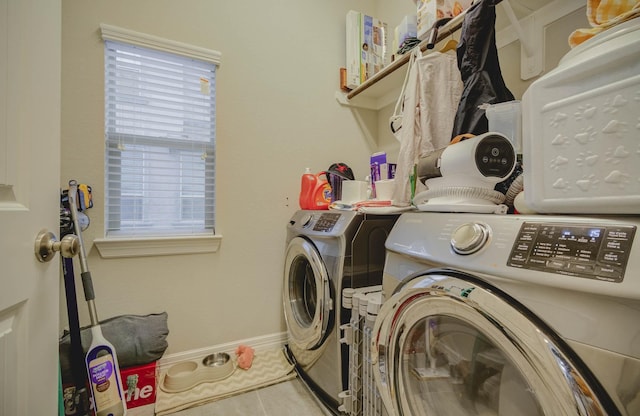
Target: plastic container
x,y
580,128
335,186
322,194
354,191
506,118
315,192
384,189
307,185
408,28
103,372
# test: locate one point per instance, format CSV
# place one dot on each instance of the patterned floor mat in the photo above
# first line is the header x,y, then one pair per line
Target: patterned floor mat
x,y
268,367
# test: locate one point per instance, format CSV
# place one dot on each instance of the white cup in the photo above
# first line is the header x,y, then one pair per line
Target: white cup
x,y
354,191
384,189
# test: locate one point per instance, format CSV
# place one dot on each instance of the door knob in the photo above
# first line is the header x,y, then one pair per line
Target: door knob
x,y
47,244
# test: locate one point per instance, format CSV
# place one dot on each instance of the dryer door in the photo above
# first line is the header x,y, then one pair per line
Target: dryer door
x,y
307,295
451,344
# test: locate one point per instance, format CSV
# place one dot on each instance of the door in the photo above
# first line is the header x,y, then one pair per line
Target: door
x,y
451,344
307,295
30,56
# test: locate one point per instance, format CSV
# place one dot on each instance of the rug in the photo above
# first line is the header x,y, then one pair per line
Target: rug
x,y
268,367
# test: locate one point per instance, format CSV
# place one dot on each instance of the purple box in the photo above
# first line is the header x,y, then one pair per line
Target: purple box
x,y
379,169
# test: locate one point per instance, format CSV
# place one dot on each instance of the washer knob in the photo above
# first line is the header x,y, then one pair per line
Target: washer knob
x,y
469,238
306,220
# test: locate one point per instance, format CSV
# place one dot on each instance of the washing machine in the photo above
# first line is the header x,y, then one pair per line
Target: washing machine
x,y
510,315
326,252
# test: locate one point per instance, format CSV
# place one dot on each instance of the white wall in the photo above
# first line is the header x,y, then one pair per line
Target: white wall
x,y
276,115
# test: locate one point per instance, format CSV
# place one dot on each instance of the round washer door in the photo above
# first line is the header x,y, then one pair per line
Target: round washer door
x,y
449,343
307,295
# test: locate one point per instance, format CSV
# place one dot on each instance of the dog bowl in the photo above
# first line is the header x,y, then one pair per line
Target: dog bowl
x,y
188,374
216,360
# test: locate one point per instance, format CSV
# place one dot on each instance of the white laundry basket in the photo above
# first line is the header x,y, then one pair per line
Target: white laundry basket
x,y
371,401
360,398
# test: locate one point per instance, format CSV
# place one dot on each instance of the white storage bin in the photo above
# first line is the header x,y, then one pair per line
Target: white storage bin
x,y
408,28
581,128
506,118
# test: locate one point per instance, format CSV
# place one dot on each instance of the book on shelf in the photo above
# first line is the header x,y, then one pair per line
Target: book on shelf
x,y
366,47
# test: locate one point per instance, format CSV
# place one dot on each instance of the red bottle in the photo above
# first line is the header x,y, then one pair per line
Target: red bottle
x,y
307,185
315,191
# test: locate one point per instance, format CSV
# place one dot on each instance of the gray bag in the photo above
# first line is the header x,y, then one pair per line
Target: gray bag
x,y
137,339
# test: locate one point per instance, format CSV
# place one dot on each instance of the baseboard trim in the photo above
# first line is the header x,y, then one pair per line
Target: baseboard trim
x,y
261,343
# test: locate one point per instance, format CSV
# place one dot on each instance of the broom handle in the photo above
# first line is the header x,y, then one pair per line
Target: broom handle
x,y
87,282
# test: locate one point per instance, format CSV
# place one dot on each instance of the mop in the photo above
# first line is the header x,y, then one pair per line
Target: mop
x,y
101,360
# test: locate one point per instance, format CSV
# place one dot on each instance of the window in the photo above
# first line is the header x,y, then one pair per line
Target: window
x,y
160,137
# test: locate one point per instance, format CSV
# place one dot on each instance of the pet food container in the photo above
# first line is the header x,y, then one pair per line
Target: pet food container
x,y
581,128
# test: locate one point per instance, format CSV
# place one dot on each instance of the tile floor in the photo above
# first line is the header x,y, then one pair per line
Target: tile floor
x,y
290,398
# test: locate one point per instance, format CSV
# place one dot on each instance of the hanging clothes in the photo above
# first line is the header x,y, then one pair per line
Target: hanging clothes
x,y
430,98
479,69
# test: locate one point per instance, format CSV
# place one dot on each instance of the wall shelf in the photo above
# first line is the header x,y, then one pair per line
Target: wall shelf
x,y
382,88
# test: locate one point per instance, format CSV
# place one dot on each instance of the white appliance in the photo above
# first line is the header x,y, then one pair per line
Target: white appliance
x,y
327,251
580,128
510,315
461,177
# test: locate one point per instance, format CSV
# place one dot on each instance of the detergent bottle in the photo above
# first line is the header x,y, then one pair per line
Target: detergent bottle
x,y
322,193
307,185
315,191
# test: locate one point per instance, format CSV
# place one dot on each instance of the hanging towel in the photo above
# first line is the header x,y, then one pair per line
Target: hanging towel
x,y
479,69
431,97
604,14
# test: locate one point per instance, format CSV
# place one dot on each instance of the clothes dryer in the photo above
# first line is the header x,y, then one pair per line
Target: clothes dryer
x,y
510,315
327,251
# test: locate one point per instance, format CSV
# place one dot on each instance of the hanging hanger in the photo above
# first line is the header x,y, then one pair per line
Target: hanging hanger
x,y
451,45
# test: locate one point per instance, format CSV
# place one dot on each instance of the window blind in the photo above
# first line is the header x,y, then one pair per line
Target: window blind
x,y
160,143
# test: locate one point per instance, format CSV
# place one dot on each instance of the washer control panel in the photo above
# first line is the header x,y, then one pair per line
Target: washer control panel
x,y
595,252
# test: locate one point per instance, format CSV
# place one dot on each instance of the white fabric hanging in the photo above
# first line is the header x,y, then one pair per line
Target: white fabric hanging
x,y
431,95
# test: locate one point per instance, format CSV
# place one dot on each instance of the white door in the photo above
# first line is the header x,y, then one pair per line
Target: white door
x,y
30,55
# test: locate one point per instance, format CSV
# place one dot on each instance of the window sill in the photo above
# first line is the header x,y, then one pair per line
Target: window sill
x,y
113,248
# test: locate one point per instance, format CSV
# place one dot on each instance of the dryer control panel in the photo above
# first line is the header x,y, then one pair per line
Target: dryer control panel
x,y
322,223
595,252
326,222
